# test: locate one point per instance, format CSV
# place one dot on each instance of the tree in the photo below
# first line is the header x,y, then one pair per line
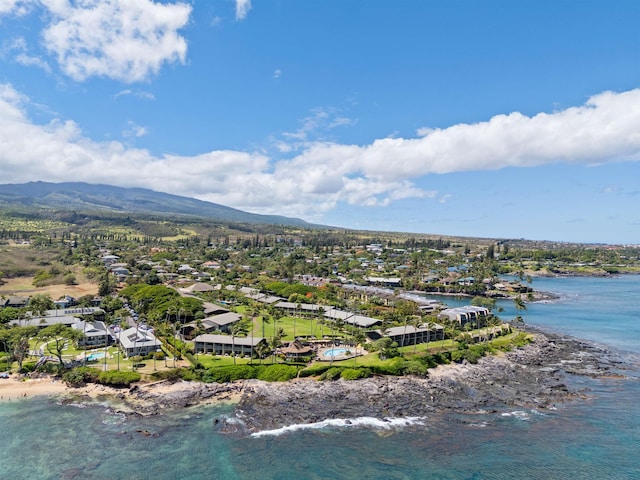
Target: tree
x,y
56,338
16,341
262,349
265,319
276,341
240,328
105,288
358,339
9,313
386,348
416,323
199,330
520,307
519,303
40,303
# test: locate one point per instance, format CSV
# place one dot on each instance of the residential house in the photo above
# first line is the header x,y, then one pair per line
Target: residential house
x,y
94,334
137,341
464,315
226,344
409,335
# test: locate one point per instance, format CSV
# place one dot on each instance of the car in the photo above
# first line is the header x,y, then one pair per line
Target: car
x,y
4,375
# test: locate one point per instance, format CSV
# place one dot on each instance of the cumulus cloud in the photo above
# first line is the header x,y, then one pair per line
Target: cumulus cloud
x,y
126,40
242,8
315,179
14,7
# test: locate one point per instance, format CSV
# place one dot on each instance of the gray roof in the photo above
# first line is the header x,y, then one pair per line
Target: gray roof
x,y
212,308
395,331
73,311
333,314
222,319
42,322
90,329
228,340
137,337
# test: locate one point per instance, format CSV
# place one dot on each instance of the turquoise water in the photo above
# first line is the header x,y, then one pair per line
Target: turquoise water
x,y
593,438
95,356
334,352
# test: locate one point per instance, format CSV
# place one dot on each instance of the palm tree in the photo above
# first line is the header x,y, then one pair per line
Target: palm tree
x,y
295,318
519,303
266,318
520,307
416,323
321,312
199,330
237,329
262,349
276,341
358,338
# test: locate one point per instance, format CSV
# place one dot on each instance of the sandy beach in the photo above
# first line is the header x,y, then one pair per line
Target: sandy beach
x,y
15,387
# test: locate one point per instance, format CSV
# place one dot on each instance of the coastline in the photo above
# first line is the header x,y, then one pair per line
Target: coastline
x,y
536,376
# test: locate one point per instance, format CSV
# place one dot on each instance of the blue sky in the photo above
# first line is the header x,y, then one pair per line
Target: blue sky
x,y
477,118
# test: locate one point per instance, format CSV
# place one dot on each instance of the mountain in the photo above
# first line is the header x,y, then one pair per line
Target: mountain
x,y
78,196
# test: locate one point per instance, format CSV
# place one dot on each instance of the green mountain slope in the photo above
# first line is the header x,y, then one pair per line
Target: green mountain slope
x,y
78,196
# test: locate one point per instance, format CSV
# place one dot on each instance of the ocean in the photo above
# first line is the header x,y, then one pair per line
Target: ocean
x,y
596,437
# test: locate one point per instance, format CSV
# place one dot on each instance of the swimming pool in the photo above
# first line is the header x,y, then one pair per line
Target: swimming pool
x,y
95,356
334,352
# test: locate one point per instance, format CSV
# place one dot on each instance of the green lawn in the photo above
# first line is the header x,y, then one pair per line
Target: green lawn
x,y
301,326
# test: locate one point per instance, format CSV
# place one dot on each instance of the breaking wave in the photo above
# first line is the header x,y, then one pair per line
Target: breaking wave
x,y
387,423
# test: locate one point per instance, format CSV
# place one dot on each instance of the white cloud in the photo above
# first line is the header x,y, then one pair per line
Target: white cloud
x,y
126,40
242,8
14,7
141,94
29,61
134,130
314,180
277,73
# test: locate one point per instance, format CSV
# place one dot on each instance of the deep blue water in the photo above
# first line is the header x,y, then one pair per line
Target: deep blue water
x,y
593,438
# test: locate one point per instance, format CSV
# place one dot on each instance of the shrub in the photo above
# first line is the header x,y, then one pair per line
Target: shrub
x,y
171,374
277,373
332,374
28,367
229,374
73,378
469,355
118,378
430,361
393,367
355,373
315,370
417,368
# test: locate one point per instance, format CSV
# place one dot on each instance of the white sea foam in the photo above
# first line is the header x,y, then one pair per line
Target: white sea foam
x,y
519,414
387,423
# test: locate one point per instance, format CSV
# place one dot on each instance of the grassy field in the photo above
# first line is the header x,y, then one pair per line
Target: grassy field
x,y
23,286
19,264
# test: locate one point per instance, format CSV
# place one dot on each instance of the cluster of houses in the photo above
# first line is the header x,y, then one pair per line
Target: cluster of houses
x,y
221,320
95,333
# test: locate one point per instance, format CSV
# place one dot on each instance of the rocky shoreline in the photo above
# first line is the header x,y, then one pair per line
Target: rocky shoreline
x,y
534,376
538,375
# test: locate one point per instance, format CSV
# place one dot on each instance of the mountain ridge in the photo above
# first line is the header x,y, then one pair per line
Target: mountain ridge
x,y
88,197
